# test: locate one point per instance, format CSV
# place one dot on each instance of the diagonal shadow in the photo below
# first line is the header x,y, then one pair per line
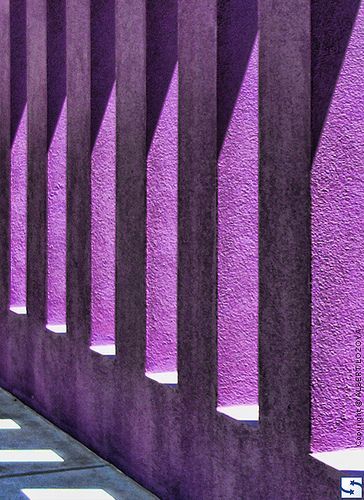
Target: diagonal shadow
x,y
237,22
56,63
162,18
102,60
331,27
18,59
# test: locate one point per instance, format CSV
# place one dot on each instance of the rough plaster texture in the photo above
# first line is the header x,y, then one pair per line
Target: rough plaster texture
x,y
337,223
172,440
19,214
162,161
18,153
103,130
57,156
237,179
103,229
162,238
56,311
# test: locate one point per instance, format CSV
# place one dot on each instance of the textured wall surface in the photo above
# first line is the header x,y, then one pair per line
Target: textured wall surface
x,y
173,224
57,155
237,179
337,221
18,93
162,160
103,163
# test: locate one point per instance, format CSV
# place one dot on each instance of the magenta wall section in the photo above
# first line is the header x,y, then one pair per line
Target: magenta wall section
x,y
237,179
19,214
162,185
103,172
161,273
56,163
103,228
337,234
56,311
18,189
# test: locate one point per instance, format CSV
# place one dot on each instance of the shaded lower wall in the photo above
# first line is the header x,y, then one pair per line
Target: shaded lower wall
x,y
143,427
172,439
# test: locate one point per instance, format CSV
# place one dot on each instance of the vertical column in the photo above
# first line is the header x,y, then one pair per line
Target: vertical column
x,y
197,204
37,158
5,155
57,153
78,169
284,239
18,178
131,183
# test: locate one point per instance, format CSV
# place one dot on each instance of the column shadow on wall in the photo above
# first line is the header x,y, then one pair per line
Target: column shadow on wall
x,y
102,61
162,22
237,32
18,61
331,27
56,63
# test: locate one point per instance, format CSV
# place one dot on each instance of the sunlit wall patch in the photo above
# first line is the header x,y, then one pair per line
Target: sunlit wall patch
x,y
162,191
237,213
56,163
18,157
103,173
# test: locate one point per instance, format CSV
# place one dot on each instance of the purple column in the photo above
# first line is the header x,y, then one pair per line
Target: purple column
x,y
37,158
197,342
131,185
337,223
284,242
78,171
5,113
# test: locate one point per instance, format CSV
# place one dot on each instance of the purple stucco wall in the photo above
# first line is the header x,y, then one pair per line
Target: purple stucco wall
x,y
337,224
56,159
103,158
18,153
181,242
237,179
57,223
19,214
162,174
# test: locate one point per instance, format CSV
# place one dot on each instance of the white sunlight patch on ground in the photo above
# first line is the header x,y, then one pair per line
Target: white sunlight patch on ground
x,y
66,494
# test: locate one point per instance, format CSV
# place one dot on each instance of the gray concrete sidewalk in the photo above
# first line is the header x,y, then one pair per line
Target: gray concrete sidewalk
x,y
40,462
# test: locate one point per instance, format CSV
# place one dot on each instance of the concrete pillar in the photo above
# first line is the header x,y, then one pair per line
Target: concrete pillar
x,y
131,184
78,170
5,130
284,238
37,159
